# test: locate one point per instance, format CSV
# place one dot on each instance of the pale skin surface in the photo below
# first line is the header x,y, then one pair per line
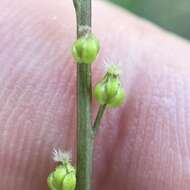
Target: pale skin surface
x,y
142,146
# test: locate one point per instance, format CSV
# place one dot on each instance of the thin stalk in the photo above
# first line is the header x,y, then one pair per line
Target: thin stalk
x,y
84,94
98,118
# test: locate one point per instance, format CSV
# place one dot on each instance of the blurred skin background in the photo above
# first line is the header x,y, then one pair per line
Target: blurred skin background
x,y
172,15
147,141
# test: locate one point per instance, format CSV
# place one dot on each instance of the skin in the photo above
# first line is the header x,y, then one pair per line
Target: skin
x,y
143,145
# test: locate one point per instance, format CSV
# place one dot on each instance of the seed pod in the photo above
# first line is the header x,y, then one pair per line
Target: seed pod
x,y
50,182
118,99
86,49
112,87
69,182
109,91
100,93
58,176
64,175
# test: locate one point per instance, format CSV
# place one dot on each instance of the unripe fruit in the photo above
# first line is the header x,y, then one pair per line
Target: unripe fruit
x,y
69,182
62,178
118,99
112,87
58,176
106,90
86,49
100,93
109,91
50,182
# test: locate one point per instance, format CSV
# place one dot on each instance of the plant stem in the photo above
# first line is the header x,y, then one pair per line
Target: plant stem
x,y
84,129
84,94
98,118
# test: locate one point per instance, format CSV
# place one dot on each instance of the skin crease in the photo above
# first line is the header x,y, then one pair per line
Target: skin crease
x,y
143,145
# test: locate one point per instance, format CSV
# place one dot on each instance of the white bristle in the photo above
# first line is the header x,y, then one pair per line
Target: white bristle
x,y
60,156
109,63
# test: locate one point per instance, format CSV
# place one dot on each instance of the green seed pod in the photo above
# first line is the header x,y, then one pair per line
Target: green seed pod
x,y
63,178
58,176
64,175
109,90
100,93
86,49
69,182
50,182
118,99
112,87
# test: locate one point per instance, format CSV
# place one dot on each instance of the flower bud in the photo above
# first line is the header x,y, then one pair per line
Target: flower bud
x,y
86,49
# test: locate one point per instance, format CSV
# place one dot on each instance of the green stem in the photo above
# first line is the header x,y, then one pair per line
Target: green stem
x,y
98,118
84,129
84,123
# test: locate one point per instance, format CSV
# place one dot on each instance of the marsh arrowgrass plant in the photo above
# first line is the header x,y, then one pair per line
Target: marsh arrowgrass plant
x,y
108,93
